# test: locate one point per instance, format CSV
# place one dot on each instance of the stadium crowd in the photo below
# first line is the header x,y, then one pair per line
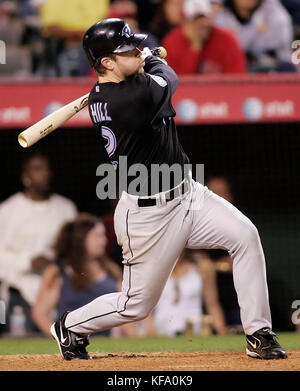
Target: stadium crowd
x,y
54,259
216,36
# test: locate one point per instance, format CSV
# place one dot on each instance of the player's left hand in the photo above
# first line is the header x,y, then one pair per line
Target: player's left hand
x,y
146,52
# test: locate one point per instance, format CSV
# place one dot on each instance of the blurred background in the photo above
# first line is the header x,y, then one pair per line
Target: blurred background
x,y
238,113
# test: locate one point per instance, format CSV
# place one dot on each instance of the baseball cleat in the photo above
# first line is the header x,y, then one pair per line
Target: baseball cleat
x,y
71,345
263,344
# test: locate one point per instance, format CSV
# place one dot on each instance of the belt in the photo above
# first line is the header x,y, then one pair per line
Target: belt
x,y
172,194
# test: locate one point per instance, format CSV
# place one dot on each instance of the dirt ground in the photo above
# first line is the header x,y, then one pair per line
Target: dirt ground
x,y
158,361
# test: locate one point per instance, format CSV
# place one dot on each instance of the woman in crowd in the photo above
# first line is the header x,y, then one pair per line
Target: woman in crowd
x,y
81,273
191,284
265,31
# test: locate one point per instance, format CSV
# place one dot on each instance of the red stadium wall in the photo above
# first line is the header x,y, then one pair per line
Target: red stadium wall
x,y
198,100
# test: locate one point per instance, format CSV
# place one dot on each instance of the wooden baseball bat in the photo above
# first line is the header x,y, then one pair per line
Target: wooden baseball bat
x,y
48,124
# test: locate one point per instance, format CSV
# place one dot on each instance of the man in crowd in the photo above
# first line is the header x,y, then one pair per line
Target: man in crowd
x,y
29,222
198,47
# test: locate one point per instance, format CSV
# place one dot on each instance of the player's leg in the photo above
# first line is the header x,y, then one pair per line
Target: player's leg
x,y
152,239
218,224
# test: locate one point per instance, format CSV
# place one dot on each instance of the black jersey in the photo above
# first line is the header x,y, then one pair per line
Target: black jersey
x,y
136,119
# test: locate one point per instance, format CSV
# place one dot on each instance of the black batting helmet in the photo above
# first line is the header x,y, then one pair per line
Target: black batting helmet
x,y
109,36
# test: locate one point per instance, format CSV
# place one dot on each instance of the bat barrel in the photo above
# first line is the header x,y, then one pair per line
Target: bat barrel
x,y
46,125
22,141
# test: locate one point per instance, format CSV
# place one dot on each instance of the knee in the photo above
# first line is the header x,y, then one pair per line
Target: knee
x,y
141,314
248,233
136,310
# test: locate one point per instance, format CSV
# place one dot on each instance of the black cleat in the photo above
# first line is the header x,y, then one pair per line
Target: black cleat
x,y
263,344
71,345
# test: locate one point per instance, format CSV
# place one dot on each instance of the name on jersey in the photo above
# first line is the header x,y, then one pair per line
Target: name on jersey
x,y
99,112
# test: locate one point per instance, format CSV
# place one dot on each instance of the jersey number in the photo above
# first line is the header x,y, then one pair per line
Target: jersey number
x,y
111,144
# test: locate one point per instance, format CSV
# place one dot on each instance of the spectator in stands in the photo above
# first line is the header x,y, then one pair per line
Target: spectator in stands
x,y
264,29
64,25
222,263
146,12
293,7
198,47
82,272
168,16
18,59
217,6
179,309
29,222
32,36
127,10
113,250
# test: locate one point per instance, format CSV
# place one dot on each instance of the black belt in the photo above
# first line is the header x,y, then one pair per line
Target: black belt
x,y
174,193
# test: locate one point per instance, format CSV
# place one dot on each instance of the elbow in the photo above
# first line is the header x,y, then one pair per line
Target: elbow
x,y
173,82
176,81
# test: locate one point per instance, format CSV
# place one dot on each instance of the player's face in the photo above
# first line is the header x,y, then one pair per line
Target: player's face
x,y
129,63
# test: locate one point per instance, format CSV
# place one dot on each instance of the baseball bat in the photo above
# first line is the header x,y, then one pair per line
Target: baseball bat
x,y
48,124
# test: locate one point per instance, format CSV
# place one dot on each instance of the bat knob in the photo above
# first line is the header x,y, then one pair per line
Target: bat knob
x,y
159,52
162,52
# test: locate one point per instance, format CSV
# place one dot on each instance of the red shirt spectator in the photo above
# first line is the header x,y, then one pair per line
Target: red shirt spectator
x,y
221,53
199,47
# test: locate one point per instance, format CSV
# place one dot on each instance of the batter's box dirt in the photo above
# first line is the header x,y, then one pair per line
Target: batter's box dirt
x,y
165,361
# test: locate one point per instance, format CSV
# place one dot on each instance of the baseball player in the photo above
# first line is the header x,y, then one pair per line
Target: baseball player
x,y
130,106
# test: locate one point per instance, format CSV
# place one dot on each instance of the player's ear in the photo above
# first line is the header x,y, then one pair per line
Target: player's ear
x,y
107,63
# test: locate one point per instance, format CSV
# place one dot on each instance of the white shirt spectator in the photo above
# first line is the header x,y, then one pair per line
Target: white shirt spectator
x,y
28,229
179,305
270,28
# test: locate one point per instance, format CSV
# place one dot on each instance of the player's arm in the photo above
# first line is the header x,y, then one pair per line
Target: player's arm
x,y
162,82
158,67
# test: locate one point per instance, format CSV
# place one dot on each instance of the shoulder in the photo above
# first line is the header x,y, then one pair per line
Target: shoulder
x,y
275,11
93,91
225,17
174,35
135,87
138,80
110,280
226,35
158,80
51,275
225,41
62,201
13,200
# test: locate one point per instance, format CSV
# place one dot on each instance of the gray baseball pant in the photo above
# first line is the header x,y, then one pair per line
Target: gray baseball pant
x,y
152,239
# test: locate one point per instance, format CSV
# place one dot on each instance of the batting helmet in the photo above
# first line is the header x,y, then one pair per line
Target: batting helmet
x,y
109,36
